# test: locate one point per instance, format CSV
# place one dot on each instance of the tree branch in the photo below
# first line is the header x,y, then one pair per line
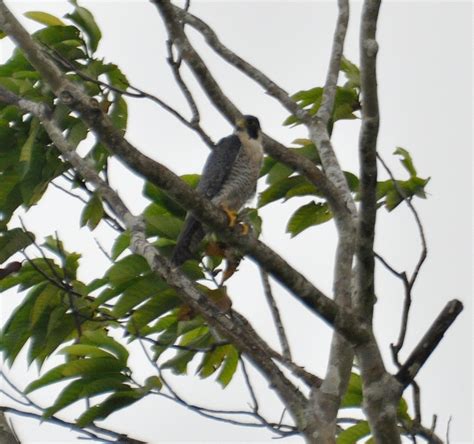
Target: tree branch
x,y
429,342
267,289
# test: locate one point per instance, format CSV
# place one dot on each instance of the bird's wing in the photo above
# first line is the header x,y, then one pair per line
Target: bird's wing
x,y
218,166
214,175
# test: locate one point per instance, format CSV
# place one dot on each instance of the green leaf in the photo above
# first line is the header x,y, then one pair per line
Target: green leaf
x,y
44,18
162,224
18,327
121,243
49,297
71,265
125,269
83,18
230,366
13,241
27,148
83,388
406,160
402,410
113,403
77,133
160,198
307,216
90,351
351,72
93,212
160,304
82,367
352,181
278,172
153,382
212,361
352,434
139,291
286,188
119,113
101,339
353,396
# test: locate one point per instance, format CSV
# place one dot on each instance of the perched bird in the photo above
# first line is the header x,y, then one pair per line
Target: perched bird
x,y
229,180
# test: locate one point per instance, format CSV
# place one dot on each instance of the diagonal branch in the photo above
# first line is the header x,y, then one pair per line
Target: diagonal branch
x,y
429,342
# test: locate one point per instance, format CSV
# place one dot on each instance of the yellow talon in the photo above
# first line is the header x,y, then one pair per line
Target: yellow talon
x,y
232,216
245,228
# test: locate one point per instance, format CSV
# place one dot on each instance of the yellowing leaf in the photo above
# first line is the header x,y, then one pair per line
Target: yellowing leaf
x,y
44,18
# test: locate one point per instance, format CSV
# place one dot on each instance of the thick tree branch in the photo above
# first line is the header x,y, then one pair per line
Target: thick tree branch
x,y
367,157
381,390
429,342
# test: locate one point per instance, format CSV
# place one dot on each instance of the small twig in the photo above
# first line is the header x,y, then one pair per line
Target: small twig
x,y
47,260
249,385
211,348
103,250
175,68
447,429
285,346
424,246
10,396
399,274
76,196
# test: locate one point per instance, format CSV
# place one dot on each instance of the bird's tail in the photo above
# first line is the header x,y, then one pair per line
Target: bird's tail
x,y
188,241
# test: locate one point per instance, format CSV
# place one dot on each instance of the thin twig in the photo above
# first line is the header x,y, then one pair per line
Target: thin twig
x,y
65,190
424,246
267,289
137,93
447,429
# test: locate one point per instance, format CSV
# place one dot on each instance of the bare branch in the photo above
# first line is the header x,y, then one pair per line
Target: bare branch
x,y
270,87
267,289
429,342
367,156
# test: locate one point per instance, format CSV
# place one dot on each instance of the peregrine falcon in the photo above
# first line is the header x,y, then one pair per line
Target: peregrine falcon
x,y
229,180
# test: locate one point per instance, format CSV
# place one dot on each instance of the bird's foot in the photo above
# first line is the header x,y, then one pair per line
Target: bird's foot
x,y
245,228
231,215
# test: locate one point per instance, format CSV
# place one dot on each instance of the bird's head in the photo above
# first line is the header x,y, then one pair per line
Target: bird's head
x,y
248,124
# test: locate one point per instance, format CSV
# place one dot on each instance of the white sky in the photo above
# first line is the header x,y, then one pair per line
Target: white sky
x,y
425,80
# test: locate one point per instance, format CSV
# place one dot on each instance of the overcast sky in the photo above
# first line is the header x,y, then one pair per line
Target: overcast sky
x,y
425,83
